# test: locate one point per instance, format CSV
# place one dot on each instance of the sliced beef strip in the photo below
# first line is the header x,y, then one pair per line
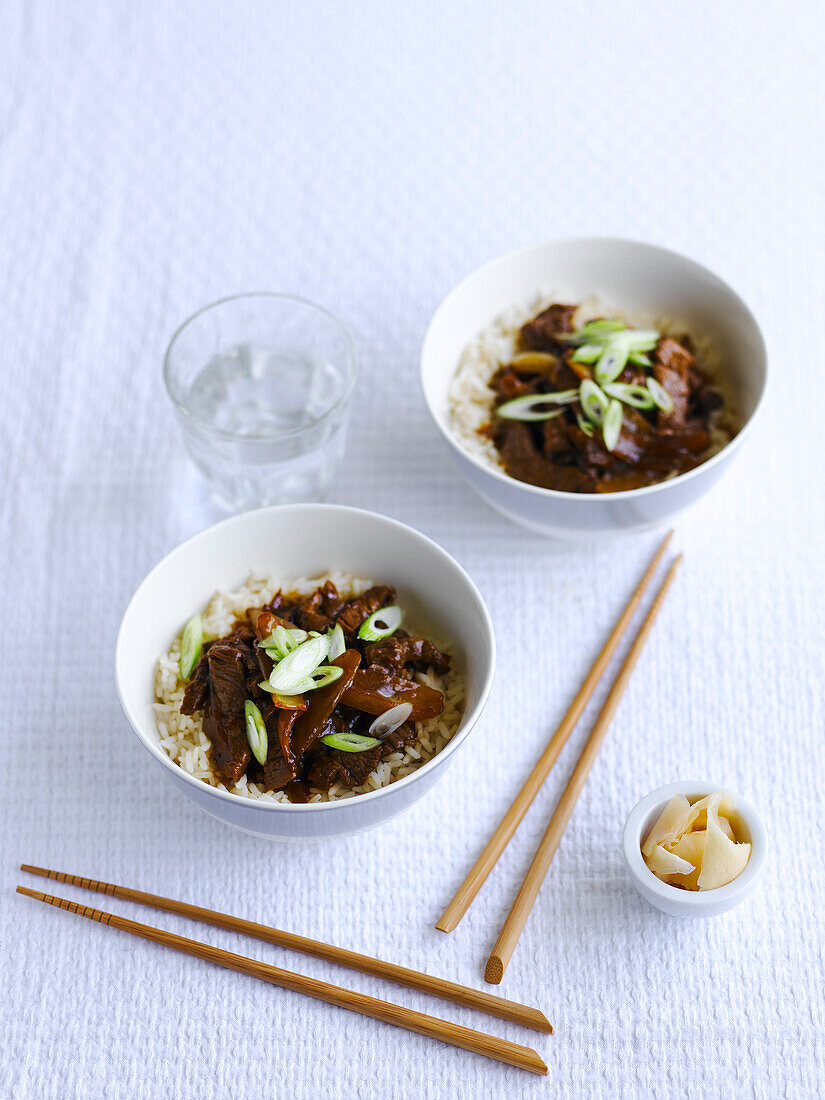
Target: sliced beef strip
x,y
671,363
632,375
541,332
404,735
634,437
673,355
507,384
665,447
355,611
375,689
322,702
555,438
197,690
566,376
522,459
242,631
281,765
230,664
593,455
705,400
329,766
398,651
319,610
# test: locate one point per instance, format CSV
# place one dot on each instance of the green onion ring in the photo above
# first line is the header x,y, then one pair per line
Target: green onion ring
x,y
593,402
612,361
661,398
326,674
521,408
256,732
337,644
612,427
585,425
370,631
300,663
587,353
639,397
191,646
349,742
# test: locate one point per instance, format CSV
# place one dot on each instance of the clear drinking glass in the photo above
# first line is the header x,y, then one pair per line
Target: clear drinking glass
x,y
262,385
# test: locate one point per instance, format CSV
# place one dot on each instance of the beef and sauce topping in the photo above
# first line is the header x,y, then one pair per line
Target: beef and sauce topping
x,y
601,407
309,691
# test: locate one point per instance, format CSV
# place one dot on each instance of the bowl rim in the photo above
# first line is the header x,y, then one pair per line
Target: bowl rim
x,y
727,895
595,499
468,719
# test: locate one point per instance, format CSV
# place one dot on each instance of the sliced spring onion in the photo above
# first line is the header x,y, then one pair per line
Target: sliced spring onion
x,y
637,396
640,339
661,397
390,720
599,330
326,674
256,732
349,742
299,664
602,326
612,427
282,641
533,361
587,353
337,645
301,688
612,361
593,401
527,407
585,425
380,624
638,359
191,646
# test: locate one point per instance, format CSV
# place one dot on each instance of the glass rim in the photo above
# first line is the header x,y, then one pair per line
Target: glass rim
x,y
257,437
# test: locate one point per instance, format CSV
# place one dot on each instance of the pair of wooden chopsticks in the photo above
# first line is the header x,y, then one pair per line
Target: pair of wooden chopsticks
x,y
476,1041
526,896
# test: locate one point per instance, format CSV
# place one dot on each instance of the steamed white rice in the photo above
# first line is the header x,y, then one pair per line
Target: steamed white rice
x,y
182,736
471,401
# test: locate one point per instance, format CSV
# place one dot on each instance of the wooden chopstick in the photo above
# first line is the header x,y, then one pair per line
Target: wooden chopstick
x,y
476,1041
482,867
425,983
520,910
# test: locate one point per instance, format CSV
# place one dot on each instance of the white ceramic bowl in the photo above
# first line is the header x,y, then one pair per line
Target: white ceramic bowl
x,y
634,277
292,541
690,903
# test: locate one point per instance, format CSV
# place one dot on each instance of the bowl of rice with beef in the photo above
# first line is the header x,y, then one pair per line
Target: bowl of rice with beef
x,y
592,387
305,670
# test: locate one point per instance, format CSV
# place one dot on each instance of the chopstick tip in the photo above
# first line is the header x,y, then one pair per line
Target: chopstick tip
x,y
494,970
542,1023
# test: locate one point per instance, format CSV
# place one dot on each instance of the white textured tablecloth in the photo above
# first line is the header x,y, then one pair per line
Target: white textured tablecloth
x,y
154,157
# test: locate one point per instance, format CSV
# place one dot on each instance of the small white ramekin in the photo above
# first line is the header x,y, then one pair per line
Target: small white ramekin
x,y
672,899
